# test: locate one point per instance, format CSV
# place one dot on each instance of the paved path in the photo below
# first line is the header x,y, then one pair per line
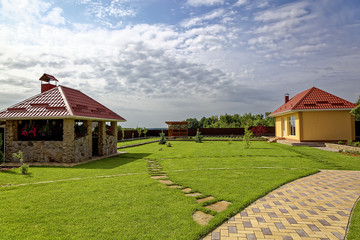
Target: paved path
x,y
314,207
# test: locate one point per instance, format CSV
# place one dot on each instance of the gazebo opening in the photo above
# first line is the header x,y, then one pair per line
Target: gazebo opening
x,y
177,129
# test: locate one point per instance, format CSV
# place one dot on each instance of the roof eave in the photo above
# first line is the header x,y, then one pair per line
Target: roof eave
x,y
63,117
308,110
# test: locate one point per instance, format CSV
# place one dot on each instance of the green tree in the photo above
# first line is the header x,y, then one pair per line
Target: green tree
x,y
356,111
247,136
145,131
139,130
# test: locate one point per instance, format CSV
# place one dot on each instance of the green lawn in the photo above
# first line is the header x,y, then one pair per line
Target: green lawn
x,y
132,142
354,233
134,206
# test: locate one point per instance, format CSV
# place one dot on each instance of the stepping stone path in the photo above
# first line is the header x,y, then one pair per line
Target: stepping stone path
x,y
314,207
156,172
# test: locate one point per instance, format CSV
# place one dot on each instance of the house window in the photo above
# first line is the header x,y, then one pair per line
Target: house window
x,y
292,126
40,130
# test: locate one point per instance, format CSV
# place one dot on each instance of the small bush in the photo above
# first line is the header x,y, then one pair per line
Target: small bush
x,y
349,142
247,136
340,142
356,144
340,151
168,144
162,138
24,169
198,138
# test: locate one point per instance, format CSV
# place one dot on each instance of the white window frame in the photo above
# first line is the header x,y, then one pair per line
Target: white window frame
x,y
292,126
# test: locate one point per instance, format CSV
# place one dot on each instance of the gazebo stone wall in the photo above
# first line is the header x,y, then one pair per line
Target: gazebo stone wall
x,y
70,150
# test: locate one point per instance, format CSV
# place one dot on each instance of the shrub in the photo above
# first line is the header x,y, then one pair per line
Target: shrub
x,y
162,138
340,151
258,130
356,144
340,142
198,138
139,130
349,142
168,144
145,131
247,136
24,169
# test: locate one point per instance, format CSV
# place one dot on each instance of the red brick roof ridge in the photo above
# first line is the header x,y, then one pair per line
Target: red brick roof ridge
x,y
65,100
310,90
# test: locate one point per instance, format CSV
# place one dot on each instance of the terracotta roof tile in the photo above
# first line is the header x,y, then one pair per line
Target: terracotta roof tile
x,y
313,98
59,102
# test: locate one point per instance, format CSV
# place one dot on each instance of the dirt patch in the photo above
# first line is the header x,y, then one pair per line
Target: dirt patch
x,y
202,218
186,190
205,199
159,177
219,206
165,181
193,194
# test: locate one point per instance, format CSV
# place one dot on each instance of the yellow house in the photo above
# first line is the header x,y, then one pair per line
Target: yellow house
x,y
315,116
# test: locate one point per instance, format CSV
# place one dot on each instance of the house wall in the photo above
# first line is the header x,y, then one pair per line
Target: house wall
x,y
318,126
67,151
328,126
279,126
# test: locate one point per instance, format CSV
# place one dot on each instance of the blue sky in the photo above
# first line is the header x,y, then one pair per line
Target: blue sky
x,y
159,60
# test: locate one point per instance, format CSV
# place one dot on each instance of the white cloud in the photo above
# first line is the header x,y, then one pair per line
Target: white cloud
x,y
290,11
199,20
198,3
54,17
240,3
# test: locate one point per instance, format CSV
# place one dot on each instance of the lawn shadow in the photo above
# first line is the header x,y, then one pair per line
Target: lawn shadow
x,y
113,162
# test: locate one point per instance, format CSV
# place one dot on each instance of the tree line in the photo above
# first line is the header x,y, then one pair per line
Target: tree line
x,y
232,121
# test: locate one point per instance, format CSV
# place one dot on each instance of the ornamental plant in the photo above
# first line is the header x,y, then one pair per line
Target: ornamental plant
x,y
247,136
139,130
198,138
29,130
145,131
162,138
258,130
24,168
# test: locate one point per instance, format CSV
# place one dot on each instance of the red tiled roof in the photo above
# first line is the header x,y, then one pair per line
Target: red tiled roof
x,y
59,102
314,99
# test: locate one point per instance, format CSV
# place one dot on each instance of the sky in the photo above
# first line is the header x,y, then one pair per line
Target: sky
x,y
165,60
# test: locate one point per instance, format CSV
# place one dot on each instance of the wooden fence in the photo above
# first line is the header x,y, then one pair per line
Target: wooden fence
x,y
270,131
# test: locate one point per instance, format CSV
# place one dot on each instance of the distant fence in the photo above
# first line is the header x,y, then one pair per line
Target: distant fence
x,y
270,131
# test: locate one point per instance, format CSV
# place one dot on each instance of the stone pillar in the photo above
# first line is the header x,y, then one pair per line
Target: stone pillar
x,y
88,137
68,140
102,138
11,135
114,133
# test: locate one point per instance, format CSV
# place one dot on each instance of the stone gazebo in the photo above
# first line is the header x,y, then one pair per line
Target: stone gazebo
x,y
59,125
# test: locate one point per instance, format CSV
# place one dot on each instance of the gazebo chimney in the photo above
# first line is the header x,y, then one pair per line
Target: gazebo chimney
x,y
286,97
45,82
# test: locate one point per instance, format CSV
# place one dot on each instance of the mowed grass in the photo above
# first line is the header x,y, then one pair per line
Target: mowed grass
x,y
138,207
354,232
133,142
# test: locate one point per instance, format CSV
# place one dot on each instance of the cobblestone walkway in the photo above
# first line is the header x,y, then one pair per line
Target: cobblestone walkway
x,y
314,207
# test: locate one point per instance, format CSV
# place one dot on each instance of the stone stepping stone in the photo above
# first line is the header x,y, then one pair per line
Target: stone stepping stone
x,y
202,218
159,177
186,190
175,186
205,199
219,206
167,182
196,194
